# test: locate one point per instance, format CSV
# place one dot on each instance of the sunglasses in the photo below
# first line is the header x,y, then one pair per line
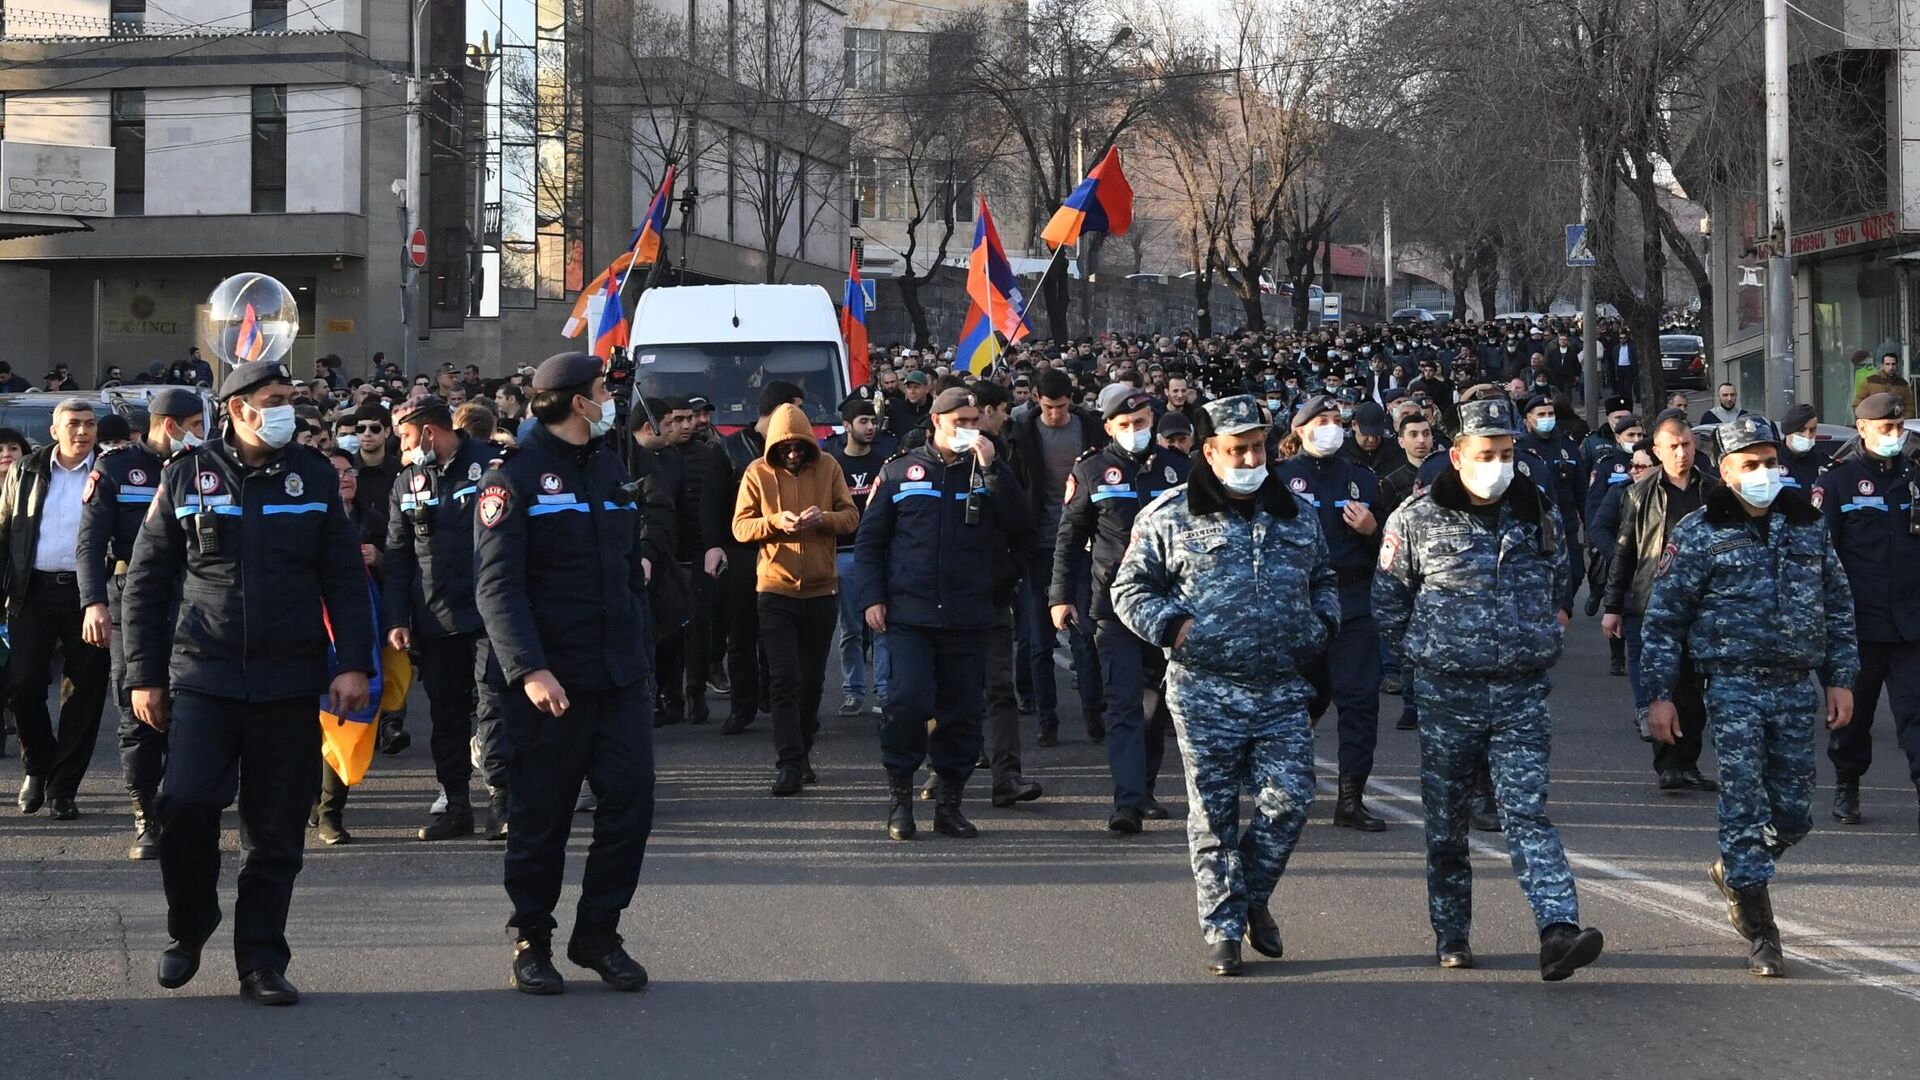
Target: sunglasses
x,y
369,429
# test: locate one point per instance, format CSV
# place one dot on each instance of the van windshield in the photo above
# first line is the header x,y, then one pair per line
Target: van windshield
x,y
730,375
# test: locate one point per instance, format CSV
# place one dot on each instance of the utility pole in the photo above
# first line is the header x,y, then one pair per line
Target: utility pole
x,y
410,194
1589,337
1386,230
1780,360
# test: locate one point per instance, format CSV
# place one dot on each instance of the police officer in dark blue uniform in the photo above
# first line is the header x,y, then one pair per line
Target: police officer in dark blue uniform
x,y
1801,452
1106,489
1871,501
1565,482
561,588
118,493
429,602
924,576
249,533
1344,493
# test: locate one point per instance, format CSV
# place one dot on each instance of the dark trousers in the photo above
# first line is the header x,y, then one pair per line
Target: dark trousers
x,y
1001,704
50,618
1137,716
1690,703
681,661
1894,666
1041,636
798,634
214,744
1353,668
448,666
143,750
606,739
938,675
739,607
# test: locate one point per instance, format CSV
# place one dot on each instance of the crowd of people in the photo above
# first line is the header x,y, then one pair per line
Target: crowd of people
x,y
1223,539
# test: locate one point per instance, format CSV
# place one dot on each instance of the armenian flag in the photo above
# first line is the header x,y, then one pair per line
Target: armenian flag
x,y
978,348
610,329
853,324
990,280
643,249
1103,203
249,343
646,243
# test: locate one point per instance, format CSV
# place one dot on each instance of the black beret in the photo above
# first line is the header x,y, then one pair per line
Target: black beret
x,y
174,401
250,376
1621,426
856,407
1880,407
406,410
561,370
1314,406
112,428
1538,401
1122,404
1798,416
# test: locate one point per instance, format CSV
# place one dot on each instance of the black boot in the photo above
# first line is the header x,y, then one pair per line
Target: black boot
x,y
1565,948
1223,958
457,821
1263,933
1350,812
1846,801
900,824
392,734
947,818
603,953
533,970
1752,911
496,813
146,834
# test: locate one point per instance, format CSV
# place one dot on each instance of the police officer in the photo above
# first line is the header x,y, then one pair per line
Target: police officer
x,y
249,533
1343,493
1751,588
561,589
429,602
1800,451
1105,491
1229,571
1566,480
924,576
1872,505
119,490
1470,594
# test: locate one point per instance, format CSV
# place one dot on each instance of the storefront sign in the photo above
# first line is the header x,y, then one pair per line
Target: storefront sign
x,y
339,326
44,178
1871,228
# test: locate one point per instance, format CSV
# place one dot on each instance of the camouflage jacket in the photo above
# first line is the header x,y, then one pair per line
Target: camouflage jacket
x,y
1453,597
1740,600
1261,591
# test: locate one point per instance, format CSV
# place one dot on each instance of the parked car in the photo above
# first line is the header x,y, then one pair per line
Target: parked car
x,y
1407,316
1534,317
1684,359
1442,316
31,413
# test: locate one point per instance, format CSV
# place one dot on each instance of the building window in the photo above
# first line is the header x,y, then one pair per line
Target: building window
x,y
866,60
269,14
129,152
863,176
128,16
269,149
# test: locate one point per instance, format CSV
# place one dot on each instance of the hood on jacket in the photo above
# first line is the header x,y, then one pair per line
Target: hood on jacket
x,y
790,424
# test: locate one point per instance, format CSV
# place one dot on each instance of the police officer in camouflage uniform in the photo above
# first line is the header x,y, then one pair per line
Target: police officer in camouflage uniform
x,y
1471,595
119,490
1751,587
1231,573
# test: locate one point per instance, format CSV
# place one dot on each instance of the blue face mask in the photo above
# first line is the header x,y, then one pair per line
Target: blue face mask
x,y
1888,445
1760,487
1545,427
1134,442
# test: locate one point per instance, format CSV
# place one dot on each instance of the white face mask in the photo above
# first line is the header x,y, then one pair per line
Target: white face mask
x,y
599,427
1324,439
963,439
349,443
276,425
1799,444
1244,481
186,440
419,455
1760,487
1136,442
1486,479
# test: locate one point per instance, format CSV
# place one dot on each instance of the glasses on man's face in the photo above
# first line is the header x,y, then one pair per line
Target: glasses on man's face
x,y
369,429
1636,466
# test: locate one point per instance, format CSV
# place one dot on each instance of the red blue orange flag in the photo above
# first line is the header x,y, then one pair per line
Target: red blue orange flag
x,y
249,343
990,280
611,327
978,348
1103,203
642,249
853,325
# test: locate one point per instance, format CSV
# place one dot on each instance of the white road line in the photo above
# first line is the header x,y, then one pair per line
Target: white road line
x,y
1631,887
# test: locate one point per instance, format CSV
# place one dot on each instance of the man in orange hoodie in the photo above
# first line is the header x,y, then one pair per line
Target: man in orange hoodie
x,y
792,503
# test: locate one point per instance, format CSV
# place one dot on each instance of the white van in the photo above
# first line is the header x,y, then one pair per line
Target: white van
x,y
724,342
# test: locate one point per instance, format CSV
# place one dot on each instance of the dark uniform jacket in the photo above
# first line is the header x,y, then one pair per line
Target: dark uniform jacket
x,y
915,551
1328,484
557,574
1744,602
254,612
1105,492
1869,505
428,571
1454,597
118,492
1568,485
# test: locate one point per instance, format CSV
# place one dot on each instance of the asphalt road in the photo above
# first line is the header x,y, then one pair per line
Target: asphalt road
x,y
790,938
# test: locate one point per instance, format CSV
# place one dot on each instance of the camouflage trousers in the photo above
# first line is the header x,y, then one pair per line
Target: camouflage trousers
x,y
1236,738
1762,730
1464,719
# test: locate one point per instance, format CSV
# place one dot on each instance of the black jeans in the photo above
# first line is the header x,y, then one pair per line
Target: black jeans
x,y
447,670
143,750
49,618
738,607
1002,707
214,744
797,634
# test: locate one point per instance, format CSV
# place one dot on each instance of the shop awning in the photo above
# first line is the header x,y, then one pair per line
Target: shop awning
x,y
17,226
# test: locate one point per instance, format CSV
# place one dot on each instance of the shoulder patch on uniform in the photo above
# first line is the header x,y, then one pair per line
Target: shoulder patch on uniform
x,y
1819,496
1666,559
93,482
493,505
1389,550
1073,485
419,481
